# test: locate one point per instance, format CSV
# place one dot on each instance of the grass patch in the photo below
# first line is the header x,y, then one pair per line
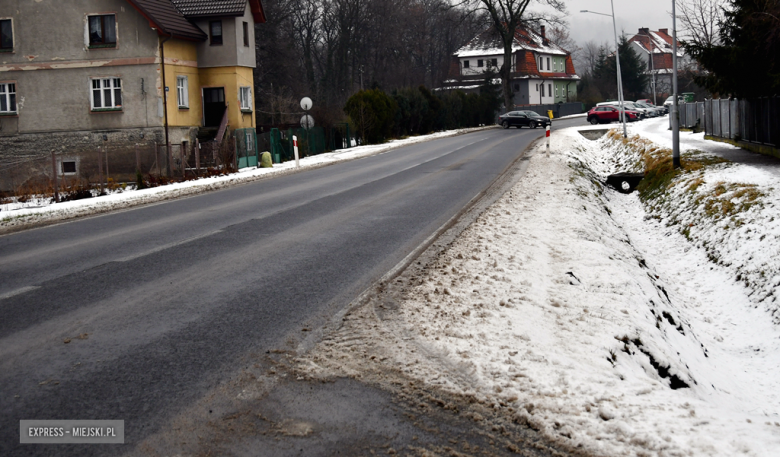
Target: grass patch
x,y
660,173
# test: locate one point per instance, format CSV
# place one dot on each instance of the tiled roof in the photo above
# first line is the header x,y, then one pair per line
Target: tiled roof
x,y
197,8
167,19
489,43
655,42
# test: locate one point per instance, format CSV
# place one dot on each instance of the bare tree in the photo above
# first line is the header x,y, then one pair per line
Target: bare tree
x,y
700,20
588,56
321,48
506,17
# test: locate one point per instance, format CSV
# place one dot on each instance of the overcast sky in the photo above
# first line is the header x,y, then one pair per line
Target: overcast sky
x,y
630,15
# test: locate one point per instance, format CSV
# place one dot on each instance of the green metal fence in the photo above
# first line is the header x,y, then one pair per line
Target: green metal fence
x,y
246,148
311,142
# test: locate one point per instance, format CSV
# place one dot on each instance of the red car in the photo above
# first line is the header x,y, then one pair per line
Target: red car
x,y
607,114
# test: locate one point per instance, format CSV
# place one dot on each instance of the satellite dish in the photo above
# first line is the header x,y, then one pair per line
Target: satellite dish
x,y
306,103
307,121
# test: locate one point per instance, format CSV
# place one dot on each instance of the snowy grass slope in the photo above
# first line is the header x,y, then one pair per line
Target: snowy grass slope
x,y
729,210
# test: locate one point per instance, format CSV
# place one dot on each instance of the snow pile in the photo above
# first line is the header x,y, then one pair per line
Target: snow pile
x,y
37,210
568,307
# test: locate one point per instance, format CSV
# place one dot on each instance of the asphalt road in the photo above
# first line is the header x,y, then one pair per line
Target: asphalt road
x,y
135,315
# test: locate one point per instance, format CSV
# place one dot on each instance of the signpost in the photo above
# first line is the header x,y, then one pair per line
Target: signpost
x,y
307,122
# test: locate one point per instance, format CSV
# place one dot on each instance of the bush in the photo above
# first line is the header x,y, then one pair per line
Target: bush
x,y
417,111
373,114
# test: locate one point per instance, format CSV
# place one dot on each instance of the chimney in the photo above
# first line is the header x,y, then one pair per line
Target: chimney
x,y
544,38
664,31
644,31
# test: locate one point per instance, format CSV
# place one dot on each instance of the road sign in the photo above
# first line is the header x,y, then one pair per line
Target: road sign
x,y
306,103
307,121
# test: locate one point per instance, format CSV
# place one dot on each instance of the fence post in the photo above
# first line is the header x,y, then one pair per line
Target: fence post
x,y
257,148
183,168
107,175
197,156
170,159
137,158
100,171
54,175
235,153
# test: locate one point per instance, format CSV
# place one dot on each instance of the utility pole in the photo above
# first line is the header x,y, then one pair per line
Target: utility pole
x,y
619,74
675,110
617,59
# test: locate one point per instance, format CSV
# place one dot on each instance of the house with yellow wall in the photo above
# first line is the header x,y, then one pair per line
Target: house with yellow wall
x,y
78,73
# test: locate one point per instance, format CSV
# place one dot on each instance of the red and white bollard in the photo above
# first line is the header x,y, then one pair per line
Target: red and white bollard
x,y
547,133
295,149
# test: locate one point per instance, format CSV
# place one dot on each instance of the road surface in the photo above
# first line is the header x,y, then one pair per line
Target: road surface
x,y
137,314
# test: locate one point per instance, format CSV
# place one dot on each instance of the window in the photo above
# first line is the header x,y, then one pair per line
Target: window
x,y
549,89
479,62
216,32
102,31
182,92
494,62
245,97
246,34
548,64
68,167
465,64
556,90
541,65
106,94
7,98
6,35
542,90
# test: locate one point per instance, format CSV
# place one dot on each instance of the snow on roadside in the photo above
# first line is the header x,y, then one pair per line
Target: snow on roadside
x,y
565,305
15,215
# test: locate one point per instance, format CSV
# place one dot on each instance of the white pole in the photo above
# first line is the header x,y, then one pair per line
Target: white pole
x,y
547,133
295,148
619,76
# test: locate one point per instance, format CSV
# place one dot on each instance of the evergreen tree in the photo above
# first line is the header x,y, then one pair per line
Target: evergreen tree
x,y
632,70
747,61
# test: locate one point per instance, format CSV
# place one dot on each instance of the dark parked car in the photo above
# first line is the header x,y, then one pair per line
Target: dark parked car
x,y
606,114
523,118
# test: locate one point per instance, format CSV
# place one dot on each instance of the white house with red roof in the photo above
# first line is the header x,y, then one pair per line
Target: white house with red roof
x,y
541,73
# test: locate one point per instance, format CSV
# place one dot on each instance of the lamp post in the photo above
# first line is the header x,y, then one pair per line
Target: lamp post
x,y
617,59
675,109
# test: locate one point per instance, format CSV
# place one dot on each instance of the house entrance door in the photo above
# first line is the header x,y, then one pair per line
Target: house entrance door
x,y
213,106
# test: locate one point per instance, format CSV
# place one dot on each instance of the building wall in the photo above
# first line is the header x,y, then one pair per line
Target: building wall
x,y
557,63
536,93
562,89
245,55
49,31
522,92
475,69
181,59
232,51
52,67
231,78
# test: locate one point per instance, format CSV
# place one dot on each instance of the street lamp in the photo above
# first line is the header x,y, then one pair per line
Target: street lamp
x,y
617,59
